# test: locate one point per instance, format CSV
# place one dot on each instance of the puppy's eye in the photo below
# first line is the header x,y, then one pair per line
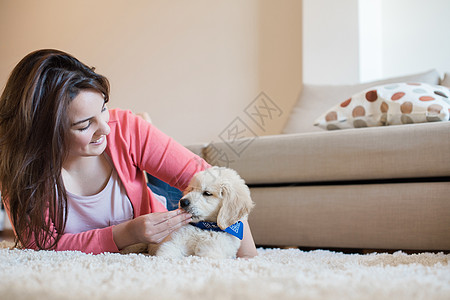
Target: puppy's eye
x,y
207,194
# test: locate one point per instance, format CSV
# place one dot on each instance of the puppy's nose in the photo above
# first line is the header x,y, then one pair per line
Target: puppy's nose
x,y
184,202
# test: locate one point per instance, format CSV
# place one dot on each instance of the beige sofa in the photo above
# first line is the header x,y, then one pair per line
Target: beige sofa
x,y
382,187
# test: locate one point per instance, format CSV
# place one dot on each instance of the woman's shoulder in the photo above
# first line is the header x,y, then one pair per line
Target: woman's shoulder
x,y
119,115
125,122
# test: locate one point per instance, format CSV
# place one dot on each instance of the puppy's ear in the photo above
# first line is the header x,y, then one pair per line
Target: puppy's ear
x,y
236,202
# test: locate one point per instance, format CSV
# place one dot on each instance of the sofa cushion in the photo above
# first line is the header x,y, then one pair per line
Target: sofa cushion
x,y
389,104
197,148
446,80
405,151
315,99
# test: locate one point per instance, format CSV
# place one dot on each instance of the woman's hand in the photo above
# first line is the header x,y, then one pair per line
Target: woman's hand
x,y
150,228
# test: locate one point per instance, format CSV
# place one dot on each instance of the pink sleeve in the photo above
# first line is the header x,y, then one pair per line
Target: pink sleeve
x,y
159,154
170,161
92,241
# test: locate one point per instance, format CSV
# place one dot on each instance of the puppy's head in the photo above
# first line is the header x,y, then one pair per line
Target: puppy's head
x,y
217,195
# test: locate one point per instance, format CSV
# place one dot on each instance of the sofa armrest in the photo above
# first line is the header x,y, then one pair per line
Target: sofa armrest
x,y
197,148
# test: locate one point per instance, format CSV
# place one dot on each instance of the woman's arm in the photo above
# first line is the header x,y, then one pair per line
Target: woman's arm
x,y
248,248
148,228
93,241
159,154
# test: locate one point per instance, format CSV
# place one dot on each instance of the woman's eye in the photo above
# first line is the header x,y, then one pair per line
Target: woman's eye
x,y
85,128
207,194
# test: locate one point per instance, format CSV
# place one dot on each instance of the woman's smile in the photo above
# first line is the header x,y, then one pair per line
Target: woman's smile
x,y
99,141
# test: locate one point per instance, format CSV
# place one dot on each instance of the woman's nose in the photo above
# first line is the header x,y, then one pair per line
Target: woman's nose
x,y
104,127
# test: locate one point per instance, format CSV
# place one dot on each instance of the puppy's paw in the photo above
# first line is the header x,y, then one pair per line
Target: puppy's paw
x,y
136,248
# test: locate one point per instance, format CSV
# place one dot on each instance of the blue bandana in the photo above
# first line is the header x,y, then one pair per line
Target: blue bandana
x,y
237,229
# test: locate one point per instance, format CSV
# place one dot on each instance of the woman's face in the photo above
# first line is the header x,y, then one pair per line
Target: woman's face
x,y
89,118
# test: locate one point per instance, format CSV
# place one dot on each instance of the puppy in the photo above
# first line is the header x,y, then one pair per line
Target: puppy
x,y
217,199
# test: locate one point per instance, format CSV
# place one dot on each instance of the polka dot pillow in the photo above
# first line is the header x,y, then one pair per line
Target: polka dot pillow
x,y
390,104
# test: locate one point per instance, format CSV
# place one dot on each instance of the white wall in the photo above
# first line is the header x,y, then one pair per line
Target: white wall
x,y
370,40
330,41
194,66
354,41
415,36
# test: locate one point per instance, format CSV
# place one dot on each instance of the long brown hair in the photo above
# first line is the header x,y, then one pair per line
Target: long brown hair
x,y
33,141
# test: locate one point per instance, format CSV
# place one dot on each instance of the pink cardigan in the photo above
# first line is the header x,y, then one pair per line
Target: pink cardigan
x,y
135,145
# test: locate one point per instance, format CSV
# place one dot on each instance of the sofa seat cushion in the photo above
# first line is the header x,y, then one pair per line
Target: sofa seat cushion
x,y
375,153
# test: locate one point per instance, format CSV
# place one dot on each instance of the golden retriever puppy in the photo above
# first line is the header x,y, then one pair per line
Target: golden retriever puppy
x,y
217,199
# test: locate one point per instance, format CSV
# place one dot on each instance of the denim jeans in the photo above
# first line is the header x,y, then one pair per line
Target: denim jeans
x,y
172,195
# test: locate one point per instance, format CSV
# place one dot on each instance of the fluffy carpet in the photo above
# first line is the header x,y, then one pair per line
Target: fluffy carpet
x,y
274,274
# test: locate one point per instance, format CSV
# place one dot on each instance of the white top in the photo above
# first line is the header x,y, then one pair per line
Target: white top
x,y
111,206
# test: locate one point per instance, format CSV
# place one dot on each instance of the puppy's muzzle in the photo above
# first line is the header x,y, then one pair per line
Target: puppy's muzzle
x,y
184,203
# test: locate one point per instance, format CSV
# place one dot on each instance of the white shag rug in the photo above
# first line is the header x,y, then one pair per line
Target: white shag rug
x,y
275,274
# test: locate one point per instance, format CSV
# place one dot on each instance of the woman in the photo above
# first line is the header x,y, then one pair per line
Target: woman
x,y
71,171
